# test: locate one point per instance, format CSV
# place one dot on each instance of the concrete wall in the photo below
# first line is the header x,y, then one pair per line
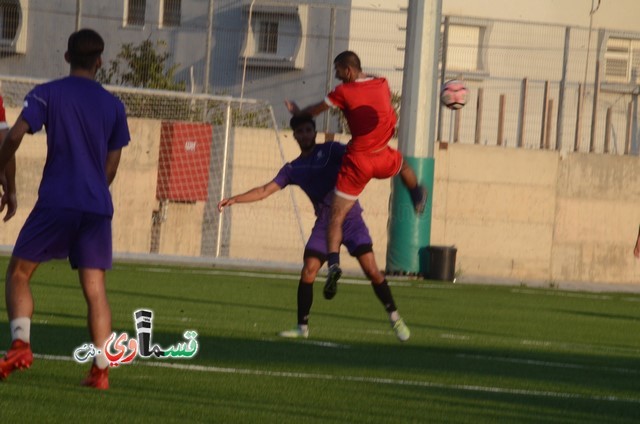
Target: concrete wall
x,y
512,214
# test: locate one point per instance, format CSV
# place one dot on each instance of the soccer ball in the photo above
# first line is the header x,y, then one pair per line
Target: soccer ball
x,y
454,94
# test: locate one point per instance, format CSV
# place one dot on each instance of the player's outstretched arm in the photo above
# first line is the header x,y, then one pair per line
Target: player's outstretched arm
x,y
9,144
253,195
313,110
8,182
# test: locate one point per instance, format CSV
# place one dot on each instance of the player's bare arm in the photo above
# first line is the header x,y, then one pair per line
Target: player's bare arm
x,y
12,141
113,160
8,183
313,110
10,144
253,195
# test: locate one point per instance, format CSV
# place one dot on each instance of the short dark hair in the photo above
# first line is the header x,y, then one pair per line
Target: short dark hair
x,y
84,48
298,120
348,59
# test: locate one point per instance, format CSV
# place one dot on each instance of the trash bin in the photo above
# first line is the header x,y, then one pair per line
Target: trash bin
x,y
442,263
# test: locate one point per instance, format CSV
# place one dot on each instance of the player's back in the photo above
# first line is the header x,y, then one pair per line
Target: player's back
x,y
81,119
367,107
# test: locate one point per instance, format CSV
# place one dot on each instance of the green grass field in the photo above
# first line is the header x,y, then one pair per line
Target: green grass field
x,y
477,353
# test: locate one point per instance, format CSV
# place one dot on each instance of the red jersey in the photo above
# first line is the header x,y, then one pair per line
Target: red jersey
x,y
3,117
366,105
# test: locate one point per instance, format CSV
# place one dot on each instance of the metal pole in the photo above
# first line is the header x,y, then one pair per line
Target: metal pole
x,y
607,131
208,46
563,86
545,113
576,144
479,107
443,72
419,83
594,110
409,236
78,14
225,166
628,128
501,112
330,56
523,112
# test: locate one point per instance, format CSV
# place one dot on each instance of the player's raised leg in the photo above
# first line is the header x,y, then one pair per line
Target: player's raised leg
x,y
19,301
339,209
418,192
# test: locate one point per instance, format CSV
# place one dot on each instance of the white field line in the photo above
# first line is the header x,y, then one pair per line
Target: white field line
x,y
276,276
369,380
563,294
311,342
548,364
543,343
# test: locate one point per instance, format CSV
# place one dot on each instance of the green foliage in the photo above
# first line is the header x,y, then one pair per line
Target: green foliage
x,y
142,65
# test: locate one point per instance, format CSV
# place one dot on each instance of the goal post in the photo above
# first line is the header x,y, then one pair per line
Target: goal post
x,y
187,152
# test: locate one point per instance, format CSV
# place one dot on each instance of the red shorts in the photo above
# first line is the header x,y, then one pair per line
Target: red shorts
x,y
360,167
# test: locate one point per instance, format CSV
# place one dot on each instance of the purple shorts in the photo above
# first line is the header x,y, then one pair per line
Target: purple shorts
x,y
355,236
83,237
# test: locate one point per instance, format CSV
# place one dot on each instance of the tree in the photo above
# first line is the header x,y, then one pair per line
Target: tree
x,y
142,66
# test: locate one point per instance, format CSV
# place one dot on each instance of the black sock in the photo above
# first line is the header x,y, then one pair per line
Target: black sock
x,y
305,300
333,258
383,292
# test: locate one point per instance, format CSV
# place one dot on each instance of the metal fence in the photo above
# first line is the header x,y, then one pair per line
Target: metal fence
x,y
532,85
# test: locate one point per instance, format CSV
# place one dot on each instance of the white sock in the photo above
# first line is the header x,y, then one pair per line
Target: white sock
x,y
21,329
303,327
101,361
394,316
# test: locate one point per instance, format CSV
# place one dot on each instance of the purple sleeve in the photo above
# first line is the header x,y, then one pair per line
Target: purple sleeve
x,y
34,111
283,178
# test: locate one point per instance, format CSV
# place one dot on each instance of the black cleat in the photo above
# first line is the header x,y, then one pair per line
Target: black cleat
x,y
419,204
331,286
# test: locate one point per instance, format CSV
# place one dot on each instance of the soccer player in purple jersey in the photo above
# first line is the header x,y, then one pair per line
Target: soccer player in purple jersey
x,y
86,129
315,172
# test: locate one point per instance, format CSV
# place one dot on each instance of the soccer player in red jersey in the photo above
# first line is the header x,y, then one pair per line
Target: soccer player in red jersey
x,y
366,104
315,172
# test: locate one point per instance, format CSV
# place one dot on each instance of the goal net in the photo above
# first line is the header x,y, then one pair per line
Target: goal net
x,y
187,152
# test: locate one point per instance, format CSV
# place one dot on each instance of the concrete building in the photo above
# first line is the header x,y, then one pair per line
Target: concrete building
x,y
271,49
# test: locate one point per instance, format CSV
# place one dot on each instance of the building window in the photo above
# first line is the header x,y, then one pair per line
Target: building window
x,y
464,50
268,37
135,12
622,60
171,13
9,20
275,36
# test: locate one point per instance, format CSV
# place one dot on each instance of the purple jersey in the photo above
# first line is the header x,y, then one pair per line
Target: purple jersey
x,y
316,175
83,122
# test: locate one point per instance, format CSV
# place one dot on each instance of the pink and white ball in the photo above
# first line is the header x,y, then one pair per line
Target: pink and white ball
x,y
454,94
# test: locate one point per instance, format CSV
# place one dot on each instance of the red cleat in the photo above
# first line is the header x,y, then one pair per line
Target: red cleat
x,y
18,357
97,378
